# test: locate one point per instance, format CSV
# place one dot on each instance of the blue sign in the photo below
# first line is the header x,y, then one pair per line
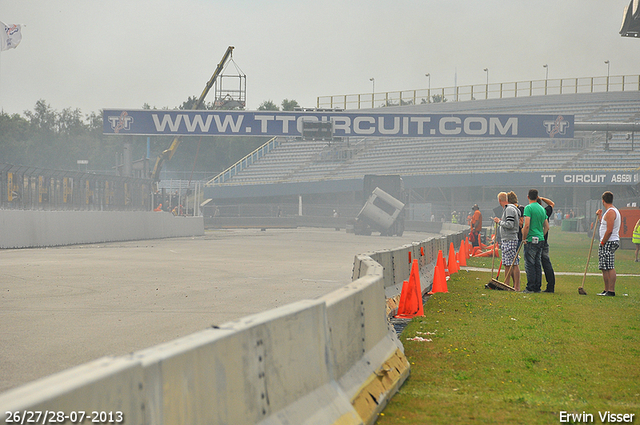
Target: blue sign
x,y
276,123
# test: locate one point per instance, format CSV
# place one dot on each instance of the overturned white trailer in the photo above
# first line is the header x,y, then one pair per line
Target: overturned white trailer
x,y
381,212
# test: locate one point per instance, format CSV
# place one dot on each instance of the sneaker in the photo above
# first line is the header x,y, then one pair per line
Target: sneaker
x,y
610,294
548,291
602,293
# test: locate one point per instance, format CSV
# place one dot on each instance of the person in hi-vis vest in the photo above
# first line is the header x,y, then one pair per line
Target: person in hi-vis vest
x,y
636,238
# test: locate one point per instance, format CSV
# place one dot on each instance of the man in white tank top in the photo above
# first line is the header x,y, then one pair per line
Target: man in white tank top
x,y
609,243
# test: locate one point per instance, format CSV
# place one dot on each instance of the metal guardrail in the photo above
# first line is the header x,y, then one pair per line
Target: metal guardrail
x,y
482,92
32,188
244,162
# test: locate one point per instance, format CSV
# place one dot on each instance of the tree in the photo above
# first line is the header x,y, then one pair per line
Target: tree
x,y
438,98
42,118
47,138
268,105
70,122
191,101
289,105
14,138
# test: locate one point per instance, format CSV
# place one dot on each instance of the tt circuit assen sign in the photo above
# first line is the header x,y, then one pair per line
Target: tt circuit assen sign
x,y
590,178
275,123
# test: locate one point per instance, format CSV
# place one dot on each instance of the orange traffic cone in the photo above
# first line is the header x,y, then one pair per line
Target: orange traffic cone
x,y
452,261
411,295
403,296
444,263
467,248
415,275
462,257
439,278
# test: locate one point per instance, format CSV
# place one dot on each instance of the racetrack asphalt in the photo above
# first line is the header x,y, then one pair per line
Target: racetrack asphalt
x,y
64,306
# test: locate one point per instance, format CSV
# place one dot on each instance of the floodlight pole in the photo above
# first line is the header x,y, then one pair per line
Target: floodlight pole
x,y
487,86
373,91
428,75
608,68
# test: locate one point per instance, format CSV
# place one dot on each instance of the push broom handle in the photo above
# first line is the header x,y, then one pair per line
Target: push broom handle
x,y
584,277
495,237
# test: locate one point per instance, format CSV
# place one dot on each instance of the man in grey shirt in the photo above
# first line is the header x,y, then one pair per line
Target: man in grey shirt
x,y
509,226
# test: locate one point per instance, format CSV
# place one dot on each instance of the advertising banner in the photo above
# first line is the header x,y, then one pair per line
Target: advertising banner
x,y
276,123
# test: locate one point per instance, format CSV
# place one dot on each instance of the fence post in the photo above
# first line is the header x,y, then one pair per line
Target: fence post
x,y
545,87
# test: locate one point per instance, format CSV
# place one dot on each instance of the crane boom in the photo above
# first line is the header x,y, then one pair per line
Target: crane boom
x,y
167,154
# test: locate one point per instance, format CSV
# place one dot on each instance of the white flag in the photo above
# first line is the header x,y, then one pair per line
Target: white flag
x,y
10,36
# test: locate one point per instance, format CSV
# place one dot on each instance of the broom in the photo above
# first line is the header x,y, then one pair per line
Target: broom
x,y
493,262
581,290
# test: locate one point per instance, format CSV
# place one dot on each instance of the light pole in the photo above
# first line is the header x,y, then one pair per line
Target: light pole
x,y
546,77
608,67
428,75
373,90
487,86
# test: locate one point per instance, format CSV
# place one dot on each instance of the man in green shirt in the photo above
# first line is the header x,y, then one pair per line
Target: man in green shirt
x,y
533,230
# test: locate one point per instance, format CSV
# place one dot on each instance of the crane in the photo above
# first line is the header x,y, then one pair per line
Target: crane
x,y
167,154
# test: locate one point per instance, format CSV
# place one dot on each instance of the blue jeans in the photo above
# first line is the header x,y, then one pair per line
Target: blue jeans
x,y
547,267
533,265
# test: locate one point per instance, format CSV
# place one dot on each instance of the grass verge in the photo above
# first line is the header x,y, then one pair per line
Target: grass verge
x,y
498,357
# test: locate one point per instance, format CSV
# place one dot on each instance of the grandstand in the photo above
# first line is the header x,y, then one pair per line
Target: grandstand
x,y
454,173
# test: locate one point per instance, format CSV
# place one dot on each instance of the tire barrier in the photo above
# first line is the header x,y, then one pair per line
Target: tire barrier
x,y
332,360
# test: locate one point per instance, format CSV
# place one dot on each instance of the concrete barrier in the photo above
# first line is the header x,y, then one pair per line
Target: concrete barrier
x,y
112,387
369,362
267,368
396,265
31,229
333,360
314,361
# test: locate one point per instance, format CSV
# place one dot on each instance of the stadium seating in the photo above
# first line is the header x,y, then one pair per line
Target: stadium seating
x,y
308,160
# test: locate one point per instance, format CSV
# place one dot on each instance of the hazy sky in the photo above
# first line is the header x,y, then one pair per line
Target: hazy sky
x,y
91,54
